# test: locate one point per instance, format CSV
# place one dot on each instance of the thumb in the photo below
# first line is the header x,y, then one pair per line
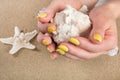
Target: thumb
x,y
97,34
46,15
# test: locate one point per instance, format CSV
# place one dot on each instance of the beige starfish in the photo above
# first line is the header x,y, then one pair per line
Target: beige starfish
x,y
19,40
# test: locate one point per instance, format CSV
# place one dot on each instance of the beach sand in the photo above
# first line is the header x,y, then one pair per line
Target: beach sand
x,y
36,64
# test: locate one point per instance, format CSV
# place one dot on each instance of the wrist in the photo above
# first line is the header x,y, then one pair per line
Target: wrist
x,y
113,7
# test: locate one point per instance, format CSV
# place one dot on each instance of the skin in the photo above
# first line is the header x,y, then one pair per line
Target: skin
x,y
103,22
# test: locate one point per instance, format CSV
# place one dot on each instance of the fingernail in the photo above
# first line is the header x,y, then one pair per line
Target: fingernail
x,y
60,51
45,42
51,29
74,41
42,15
49,49
97,37
52,57
62,47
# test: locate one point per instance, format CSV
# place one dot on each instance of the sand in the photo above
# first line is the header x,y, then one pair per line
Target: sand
x,y
36,64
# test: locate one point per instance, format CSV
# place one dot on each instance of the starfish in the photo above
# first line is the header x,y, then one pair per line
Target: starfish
x,y
19,40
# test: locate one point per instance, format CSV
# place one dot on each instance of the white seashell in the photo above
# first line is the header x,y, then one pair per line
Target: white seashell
x,y
70,23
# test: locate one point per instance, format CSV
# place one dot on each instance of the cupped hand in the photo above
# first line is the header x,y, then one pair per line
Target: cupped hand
x,y
102,38
45,26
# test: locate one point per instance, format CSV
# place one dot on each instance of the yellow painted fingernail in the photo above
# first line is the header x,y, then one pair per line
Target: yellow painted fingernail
x,y
64,48
42,15
97,37
74,41
52,57
45,42
49,49
60,51
51,29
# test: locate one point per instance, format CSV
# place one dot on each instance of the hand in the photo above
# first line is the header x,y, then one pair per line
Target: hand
x,y
47,14
47,28
103,36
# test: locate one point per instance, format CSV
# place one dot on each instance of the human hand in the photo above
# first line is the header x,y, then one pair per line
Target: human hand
x,y
47,14
47,28
102,38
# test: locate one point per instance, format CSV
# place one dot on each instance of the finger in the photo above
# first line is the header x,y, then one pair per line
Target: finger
x,y
51,47
83,54
54,55
68,55
100,25
49,44
86,44
49,12
46,27
97,34
56,6
109,42
44,39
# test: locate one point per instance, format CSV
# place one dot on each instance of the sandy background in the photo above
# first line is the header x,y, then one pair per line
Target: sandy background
x,y
36,64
